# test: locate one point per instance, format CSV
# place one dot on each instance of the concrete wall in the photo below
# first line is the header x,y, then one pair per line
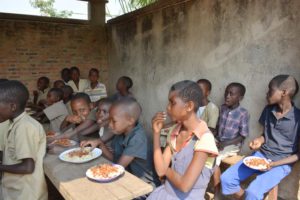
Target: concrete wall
x,y
31,47
247,41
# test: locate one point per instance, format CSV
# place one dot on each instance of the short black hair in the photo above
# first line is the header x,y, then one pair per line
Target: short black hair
x,y
64,70
188,91
58,81
13,91
94,70
286,82
57,92
127,81
106,100
44,78
68,89
82,96
74,68
130,106
241,87
206,82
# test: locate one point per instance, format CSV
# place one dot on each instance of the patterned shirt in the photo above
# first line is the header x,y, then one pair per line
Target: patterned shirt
x,y
233,123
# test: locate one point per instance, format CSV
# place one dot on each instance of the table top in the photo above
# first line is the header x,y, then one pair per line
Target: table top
x,y
71,182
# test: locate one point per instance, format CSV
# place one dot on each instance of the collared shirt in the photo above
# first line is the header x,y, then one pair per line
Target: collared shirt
x,y
42,95
210,115
96,93
56,113
233,123
281,135
25,138
82,85
135,144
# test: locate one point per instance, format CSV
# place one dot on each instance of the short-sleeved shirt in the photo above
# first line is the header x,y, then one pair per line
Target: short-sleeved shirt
x,y
25,138
233,123
3,130
56,113
42,95
205,142
96,93
135,144
83,84
210,115
281,135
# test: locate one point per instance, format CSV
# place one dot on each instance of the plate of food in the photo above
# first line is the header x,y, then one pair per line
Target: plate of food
x,y
80,155
105,172
257,163
65,142
51,134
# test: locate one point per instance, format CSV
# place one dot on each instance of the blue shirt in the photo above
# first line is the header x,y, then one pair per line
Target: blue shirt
x,y
281,135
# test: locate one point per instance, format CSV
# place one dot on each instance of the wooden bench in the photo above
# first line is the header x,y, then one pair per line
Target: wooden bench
x,y
229,161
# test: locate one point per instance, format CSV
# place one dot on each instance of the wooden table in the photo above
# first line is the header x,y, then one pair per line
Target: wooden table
x,y
71,182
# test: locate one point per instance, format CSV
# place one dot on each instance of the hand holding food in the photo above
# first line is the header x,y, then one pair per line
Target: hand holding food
x,y
158,122
92,143
74,119
255,144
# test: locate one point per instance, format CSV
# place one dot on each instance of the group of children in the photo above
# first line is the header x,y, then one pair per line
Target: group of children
x,y
200,137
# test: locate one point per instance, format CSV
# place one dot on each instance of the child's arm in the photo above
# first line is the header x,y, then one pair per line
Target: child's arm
x,y
256,143
70,119
285,161
107,136
161,160
25,167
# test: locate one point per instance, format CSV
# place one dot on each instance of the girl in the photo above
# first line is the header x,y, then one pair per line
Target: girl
x,y
191,146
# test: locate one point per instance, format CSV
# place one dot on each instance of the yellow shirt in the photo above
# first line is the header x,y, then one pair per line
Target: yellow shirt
x,y
83,84
25,138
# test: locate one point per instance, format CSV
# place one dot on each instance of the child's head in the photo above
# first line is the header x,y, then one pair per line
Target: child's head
x,y
13,99
75,73
81,105
103,110
68,92
65,74
205,86
54,95
124,83
282,87
185,97
94,75
124,115
58,84
43,83
234,93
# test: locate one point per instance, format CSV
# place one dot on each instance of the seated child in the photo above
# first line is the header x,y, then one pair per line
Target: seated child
x,y
58,84
23,147
77,84
209,112
65,75
280,139
40,95
56,111
130,145
123,85
233,127
95,90
68,94
191,148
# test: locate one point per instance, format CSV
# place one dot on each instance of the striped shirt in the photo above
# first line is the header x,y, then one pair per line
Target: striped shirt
x,y
97,93
233,123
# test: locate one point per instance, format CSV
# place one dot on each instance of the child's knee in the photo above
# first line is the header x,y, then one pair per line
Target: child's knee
x,y
251,194
227,183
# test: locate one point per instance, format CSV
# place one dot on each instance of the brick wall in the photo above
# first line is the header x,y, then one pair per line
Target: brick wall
x,y
30,49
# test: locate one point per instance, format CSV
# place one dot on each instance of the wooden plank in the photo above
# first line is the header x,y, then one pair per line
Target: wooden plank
x,y
71,182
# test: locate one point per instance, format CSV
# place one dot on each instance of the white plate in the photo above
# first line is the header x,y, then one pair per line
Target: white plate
x,y
259,167
120,172
72,143
93,154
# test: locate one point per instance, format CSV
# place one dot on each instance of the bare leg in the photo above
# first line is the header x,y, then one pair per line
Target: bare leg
x,y
217,181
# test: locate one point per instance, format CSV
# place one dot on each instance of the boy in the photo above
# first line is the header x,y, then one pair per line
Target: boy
x,y
65,75
123,85
95,90
23,147
233,127
209,112
130,144
40,95
58,84
280,120
77,84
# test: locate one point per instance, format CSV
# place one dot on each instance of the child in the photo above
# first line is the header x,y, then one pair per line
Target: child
x,y
68,94
58,84
95,90
123,85
209,112
130,144
280,120
40,95
23,147
56,111
77,84
65,75
233,127
191,148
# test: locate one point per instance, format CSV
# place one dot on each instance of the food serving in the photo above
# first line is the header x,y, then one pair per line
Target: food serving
x,y
65,142
80,155
256,163
105,172
50,134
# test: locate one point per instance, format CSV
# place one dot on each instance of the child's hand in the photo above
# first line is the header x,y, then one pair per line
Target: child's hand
x,y
74,119
92,143
158,122
255,144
